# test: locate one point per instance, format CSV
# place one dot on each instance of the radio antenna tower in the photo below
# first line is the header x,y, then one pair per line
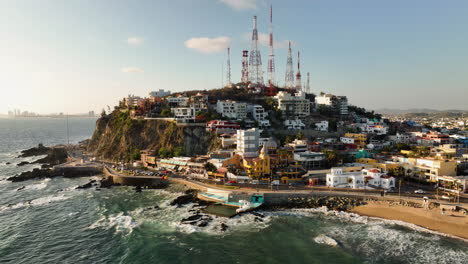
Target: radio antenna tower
x,y
298,74
308,83
271,60
245,66
228,70
255,60
289,80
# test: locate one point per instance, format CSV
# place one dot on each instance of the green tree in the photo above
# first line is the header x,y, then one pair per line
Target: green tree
x,y
136,154
178,151
210,167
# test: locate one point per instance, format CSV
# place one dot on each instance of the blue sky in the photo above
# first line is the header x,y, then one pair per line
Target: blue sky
x,y
80,55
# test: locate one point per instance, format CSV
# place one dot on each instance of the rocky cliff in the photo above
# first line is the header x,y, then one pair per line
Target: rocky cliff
x,y
118,137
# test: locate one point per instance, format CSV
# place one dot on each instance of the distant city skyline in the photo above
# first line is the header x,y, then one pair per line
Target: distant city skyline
x,y
75,56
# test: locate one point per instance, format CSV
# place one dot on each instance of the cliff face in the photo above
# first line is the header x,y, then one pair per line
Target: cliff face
x,y
118,137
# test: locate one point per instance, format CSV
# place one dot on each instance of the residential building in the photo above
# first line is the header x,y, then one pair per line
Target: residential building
x,y
338,103
299,145
427,169
232,109
296,105
199,102
258,167
132,101
359,139
367,178
321,126
248,142
184,114
178,101
294,124
160,93
222,126
259,114
310,160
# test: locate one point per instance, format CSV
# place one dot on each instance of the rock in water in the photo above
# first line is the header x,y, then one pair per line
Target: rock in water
x,y
36,151
22,163
323,239
224,227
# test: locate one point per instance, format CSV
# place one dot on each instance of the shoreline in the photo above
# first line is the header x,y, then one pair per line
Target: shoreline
x,y
452,224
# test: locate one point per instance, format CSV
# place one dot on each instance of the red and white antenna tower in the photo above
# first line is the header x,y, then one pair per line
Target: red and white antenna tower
x,y
245,66
228,70
298,74
289,79
255,60
271,59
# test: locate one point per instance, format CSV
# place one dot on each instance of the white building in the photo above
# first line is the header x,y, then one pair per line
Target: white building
x,y
132,100
294,124
338,103
347,140
299,145
367,178
293,105
248,142
184,114
178,101
322,125
159,93
309,160
259,114
232,109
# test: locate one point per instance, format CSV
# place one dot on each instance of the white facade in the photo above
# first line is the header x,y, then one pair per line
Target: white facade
x,y
321,126
299,145
259,114
184,114
178,101
347,140
294,124
248,142
367,178
132,100
232,109
159,93
339,103
293,105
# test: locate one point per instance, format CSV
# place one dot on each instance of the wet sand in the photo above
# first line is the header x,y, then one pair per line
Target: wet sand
x,y
452,223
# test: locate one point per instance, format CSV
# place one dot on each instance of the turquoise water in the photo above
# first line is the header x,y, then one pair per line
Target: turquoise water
x,y
51,222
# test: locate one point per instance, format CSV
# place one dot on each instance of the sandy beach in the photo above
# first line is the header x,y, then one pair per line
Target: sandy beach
x,y
452,223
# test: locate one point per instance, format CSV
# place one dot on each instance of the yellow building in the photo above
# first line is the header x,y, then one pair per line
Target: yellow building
x,y
359,139
258,167
428,169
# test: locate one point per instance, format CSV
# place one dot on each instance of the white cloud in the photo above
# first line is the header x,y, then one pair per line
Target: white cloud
x,y
240,4
208,45
131,70
135,41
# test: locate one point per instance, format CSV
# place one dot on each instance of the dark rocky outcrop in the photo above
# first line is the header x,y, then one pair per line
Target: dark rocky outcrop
x,y
36,151
331,202
34,174
189,197
54,156
88,185
22,163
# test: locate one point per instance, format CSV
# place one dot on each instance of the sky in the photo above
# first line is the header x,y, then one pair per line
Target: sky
x,y
79,55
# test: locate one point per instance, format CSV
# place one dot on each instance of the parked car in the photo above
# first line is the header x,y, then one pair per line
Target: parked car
x,y
276,182
254,182
419,191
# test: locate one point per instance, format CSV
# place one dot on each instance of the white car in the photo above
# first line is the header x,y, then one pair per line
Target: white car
x,y
419,191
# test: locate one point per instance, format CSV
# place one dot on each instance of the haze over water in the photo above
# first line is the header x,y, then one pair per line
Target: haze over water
x,y
51,222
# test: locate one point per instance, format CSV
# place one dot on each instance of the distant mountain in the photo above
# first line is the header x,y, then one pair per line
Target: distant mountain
x,y
417,110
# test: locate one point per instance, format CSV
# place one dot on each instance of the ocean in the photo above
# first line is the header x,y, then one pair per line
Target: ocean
x,y
49,221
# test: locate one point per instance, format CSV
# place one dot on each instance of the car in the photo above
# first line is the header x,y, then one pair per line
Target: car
x,y
419,191
276,182
254,182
